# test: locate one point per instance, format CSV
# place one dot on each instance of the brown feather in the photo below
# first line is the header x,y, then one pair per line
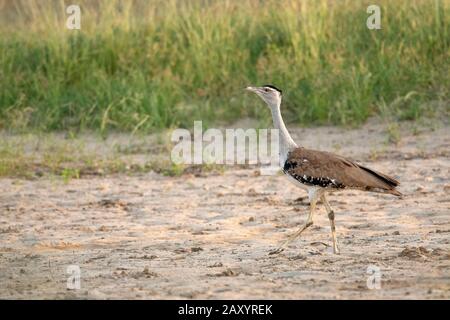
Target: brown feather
x,y
327,170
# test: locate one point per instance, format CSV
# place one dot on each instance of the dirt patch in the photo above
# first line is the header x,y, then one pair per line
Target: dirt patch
x,y
208,236
424,253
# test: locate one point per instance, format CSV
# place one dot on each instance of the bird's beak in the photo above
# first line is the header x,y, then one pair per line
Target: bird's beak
x,y
252,89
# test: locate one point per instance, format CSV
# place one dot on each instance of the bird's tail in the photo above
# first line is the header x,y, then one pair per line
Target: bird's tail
x,y
390,182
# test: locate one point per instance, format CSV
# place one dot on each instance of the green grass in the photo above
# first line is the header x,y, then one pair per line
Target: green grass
x,y
35,155
147,65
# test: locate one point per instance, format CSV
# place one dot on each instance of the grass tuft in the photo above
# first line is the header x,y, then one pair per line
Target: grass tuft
x,y
146,65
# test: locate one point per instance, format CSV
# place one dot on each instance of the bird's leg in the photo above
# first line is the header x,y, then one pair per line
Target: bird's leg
x,y
333,226
313,197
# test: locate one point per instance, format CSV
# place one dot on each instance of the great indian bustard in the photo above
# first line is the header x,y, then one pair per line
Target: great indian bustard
x,y
319,172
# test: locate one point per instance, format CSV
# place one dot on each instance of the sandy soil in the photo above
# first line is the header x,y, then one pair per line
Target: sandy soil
x,y
153,237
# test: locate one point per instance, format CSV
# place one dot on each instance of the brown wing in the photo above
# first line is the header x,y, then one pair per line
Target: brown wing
x,y
327,170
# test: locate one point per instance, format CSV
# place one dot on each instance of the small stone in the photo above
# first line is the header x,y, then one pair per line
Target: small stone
x,y
39,173
216,265
228,273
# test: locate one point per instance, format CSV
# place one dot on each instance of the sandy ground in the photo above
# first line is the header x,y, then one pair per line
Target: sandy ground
x,y
198,237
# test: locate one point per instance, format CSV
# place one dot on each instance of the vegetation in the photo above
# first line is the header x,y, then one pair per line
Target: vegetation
x,y
68,157
147,65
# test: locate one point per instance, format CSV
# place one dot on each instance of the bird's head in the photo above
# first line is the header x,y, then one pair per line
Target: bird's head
x,y
270,94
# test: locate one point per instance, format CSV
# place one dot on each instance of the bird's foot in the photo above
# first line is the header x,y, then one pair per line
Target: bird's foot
x,y
336,250
276,251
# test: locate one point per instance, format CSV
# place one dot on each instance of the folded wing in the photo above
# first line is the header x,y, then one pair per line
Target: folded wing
x,y
327,170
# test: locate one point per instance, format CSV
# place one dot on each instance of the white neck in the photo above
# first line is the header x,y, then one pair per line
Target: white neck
x,y
286,142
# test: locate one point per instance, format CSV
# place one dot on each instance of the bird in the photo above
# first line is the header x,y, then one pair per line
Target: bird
x,y
319,172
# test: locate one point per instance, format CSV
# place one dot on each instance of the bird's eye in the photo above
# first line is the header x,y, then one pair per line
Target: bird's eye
x,y
266,90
